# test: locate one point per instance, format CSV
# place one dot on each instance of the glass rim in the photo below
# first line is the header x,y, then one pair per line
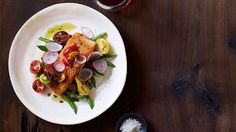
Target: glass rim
x,y
117,7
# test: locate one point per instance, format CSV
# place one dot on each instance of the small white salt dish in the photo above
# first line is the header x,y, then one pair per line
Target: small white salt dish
x,y
131,122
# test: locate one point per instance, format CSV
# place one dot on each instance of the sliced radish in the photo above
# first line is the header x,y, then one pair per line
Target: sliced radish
x,y
94,55
81,59
50,57
85,74
87,32
53,46
100,65
59,66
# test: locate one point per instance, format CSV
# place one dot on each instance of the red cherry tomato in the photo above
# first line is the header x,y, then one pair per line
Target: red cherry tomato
x,y
38,86
36,67
70,49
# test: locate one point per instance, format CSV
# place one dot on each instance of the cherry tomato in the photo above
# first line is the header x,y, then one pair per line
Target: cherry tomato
x,y
36,67
61,37
103,46
70,49
38,86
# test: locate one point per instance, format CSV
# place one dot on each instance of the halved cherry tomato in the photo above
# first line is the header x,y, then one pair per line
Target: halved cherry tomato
x,y
103,46
70,49
36,67
38,86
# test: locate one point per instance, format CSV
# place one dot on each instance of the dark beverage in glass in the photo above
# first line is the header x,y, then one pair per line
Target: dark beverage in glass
x,y
111,2
112,5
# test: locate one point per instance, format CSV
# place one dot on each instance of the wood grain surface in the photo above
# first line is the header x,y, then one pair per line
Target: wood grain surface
x,y
181,68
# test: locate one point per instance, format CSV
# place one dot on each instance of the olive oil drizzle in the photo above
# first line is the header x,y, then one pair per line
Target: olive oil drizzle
x,y
61,27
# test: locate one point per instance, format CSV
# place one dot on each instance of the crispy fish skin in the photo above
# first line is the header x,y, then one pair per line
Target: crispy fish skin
x,y
85,47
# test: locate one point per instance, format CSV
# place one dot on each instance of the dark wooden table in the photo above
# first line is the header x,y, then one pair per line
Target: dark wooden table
x,y
181,69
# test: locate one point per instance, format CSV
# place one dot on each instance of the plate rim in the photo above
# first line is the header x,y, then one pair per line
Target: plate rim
x,y
12,48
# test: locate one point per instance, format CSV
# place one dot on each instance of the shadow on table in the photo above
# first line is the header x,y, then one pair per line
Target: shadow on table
x,y
131,94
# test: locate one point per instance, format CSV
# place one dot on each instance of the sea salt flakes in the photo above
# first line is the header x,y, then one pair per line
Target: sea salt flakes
x,y
130,125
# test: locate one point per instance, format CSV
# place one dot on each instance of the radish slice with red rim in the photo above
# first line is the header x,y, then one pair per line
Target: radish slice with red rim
x,y
81,59
87,32
50,57
94,55
53,46
85,74
100,65
59,66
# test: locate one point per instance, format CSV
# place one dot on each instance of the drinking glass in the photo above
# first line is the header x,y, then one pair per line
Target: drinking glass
x,y
113,5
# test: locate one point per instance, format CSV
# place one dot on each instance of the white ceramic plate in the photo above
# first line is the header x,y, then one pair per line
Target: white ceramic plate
x,y
24,50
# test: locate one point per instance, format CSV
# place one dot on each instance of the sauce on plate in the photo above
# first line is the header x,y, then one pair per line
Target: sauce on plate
x,y
61,27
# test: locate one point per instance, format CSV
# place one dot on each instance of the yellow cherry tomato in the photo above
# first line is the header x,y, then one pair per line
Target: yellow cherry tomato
x,y
83,89
103,46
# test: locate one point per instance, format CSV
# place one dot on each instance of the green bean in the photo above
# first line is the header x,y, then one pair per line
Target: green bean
x,y
44,40
109,55
90,102
110,64
90,85
101,35
70,102
69,94
73,95
93,81
79,97
97,74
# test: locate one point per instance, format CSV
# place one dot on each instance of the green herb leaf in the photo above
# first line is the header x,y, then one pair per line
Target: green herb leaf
x,y
109,55
93,81
101,35
42,47
45,40
90,102
110,64
97,74
70,102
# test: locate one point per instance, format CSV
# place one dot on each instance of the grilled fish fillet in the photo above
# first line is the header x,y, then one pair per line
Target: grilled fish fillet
x,y
85,47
